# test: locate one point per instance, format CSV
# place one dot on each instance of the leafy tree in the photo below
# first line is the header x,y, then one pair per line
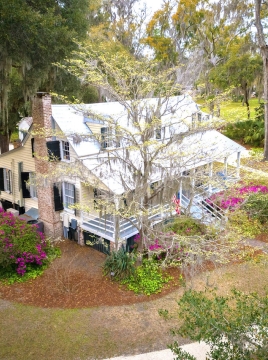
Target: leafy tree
x,y
33,35
235,326
239,67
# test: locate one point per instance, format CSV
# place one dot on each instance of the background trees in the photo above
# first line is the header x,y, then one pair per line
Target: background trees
x,y
33,36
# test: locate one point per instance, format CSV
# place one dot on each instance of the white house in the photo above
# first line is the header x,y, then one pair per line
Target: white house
x,y
97,154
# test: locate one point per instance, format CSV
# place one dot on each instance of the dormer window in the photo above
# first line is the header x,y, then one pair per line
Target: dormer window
x,y
65,150
109,138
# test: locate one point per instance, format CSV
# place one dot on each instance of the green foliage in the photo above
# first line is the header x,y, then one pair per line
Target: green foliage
x,y
241,224
235,326
148,279
34,35
257,207
186,226
249,131
11,277
120,263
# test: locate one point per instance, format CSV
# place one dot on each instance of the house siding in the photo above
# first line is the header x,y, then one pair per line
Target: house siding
x,y
10,160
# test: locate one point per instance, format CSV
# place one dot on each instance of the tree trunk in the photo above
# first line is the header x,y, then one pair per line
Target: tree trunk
x,y
264,53
265,81
245,90
4,143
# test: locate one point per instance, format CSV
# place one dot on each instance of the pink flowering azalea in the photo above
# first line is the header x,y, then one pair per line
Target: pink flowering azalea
x,y
232,202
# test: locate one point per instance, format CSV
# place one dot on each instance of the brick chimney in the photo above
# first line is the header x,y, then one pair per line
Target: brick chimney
x,y
41,113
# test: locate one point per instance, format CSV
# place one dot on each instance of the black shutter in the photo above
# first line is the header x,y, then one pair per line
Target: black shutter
x,y
53,149
58,204
32,143
24,178
2,184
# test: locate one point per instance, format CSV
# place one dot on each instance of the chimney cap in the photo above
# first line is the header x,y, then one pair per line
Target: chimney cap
x,y
40,94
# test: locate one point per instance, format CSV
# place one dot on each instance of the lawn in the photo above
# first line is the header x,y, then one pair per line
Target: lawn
x,y
28,332
233,111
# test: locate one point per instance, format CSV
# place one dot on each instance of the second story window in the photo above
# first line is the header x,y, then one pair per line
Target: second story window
x,y
109,138
158,133
65,149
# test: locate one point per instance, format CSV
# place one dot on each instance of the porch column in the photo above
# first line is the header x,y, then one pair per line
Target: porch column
x,y
116,222
238,164
192,175
210,173
226,166
180,190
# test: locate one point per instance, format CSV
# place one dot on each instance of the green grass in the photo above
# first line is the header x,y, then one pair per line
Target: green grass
x,y
233,111
32,333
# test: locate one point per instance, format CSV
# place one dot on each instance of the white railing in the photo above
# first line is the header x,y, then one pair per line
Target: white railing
x,y
105,226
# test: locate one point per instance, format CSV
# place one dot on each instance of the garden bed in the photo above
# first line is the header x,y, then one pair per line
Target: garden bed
x,y
75,280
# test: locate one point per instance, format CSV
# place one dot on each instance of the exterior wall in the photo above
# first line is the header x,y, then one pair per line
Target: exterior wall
x,y
87,199
95,128
10,160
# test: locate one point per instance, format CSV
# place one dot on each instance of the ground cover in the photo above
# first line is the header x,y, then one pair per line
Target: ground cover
x,y
232,111
102,331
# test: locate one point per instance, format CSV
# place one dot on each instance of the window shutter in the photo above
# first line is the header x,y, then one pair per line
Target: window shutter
x,y
24,178
58,204
32,143
2,185
53,149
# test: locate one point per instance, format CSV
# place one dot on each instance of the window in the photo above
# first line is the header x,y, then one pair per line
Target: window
x,y
68,195
33,187
53,149
28,185
158,133
196,120
109,138
96,195
5,180
106,137
65,150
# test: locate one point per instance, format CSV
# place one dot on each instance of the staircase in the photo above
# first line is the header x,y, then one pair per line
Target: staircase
x,y
199,209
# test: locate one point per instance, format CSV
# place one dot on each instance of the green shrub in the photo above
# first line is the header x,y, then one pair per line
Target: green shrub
x,y
257,207
120,263
186,226
249,131
148,279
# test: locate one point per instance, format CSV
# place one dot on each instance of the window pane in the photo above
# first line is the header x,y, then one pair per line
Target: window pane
x,y
65,150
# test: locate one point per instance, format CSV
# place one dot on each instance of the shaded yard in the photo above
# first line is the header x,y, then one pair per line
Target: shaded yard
x,y
102,329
